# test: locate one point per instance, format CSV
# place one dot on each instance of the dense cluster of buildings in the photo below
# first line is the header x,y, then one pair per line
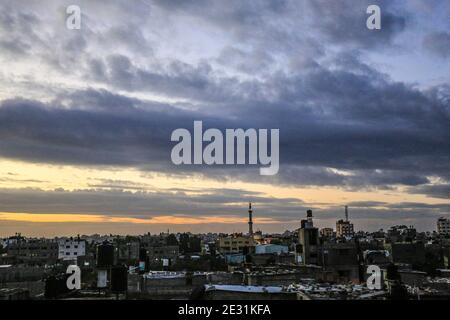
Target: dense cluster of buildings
x,y
305,263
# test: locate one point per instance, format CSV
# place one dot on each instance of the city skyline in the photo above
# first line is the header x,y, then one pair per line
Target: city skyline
x,y
240,226
86,115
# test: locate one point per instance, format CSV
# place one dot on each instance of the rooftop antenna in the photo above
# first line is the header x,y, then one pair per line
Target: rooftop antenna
x,y
346,213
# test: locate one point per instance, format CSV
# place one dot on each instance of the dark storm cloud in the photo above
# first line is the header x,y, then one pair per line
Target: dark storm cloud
x,y
304,70
442,207
102,100
348,119
357,180
403,213
177,79
117,202
41,133
434,191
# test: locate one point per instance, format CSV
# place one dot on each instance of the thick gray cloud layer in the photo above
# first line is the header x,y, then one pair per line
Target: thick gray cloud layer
x,y
377,129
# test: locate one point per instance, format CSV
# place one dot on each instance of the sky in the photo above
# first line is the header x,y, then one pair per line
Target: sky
x,y
86,115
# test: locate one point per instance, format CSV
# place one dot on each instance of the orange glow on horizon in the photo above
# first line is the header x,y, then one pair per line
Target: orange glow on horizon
x,y
167,219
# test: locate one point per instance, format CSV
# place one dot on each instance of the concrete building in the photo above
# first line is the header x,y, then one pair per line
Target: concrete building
x,y
170,285
401,233
443,226
128,251
156,254
342,259
12,240
308,248
11,273
267,259
407,253
34,251
376,257
344,228
258,237
327,232
71,249
235,244
209,248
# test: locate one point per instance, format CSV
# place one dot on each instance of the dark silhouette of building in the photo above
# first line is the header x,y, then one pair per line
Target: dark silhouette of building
x,y
308,248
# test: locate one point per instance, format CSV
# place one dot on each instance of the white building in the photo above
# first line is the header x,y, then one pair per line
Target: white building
x,y
71,249
443,226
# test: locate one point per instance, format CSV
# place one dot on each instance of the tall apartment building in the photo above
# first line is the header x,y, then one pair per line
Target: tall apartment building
x,y
327,232
343,227
443,226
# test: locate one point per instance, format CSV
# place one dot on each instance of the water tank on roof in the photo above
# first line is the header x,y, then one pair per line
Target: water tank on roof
x,y
105,255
